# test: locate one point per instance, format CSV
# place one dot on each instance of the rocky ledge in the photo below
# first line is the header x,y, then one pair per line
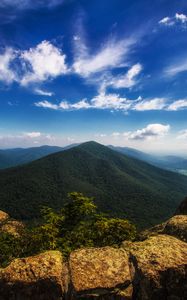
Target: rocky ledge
x,y
155,268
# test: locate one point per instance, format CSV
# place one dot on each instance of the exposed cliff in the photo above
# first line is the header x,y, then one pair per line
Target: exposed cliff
x,y
155,268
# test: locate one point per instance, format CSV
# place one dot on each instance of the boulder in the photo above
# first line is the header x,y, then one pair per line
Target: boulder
x,y
160,264
40,277
100,272
177,226
13,227
3,217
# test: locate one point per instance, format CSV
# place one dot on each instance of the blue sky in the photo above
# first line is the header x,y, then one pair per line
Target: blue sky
x,y
111,71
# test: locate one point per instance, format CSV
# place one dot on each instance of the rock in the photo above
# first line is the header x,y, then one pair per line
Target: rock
x,y
160,268
153,231
100,272
10,226
182,209
40,277
13,227
177,226
3,217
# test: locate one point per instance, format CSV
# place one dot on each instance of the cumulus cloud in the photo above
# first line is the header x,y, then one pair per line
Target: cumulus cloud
x,y
150,132
181,17
45,61
38,64
111,55
7,75
171,21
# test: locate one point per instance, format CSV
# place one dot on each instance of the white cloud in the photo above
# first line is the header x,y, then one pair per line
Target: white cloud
x,y
33,134
83,104
32,139
176,68
178,105
47,104
101,135
128,80
181,17
6,73
43,93
171,21
150,104
165,21
182,135
150,132
116,102
111,55
45,61
110,101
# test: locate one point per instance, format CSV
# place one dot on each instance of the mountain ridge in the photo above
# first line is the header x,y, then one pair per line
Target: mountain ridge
x,y
121,186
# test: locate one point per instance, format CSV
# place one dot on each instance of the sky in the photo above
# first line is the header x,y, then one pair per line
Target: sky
x,y
110,71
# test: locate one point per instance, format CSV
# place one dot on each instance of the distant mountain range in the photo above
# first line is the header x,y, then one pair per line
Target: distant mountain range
x,y
169,162
122,186
18,156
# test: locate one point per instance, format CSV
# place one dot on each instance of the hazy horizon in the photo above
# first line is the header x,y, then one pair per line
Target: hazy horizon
x,y
159,153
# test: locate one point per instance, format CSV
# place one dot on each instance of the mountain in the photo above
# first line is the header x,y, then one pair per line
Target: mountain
x,y
18,156
169,162
122,186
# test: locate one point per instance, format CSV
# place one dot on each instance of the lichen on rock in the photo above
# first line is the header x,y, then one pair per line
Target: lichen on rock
x,y
99,270
160,268
3,216
177,226
39,277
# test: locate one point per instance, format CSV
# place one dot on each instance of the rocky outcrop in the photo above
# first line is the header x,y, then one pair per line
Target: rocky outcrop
x,y
3,216
152,269
39,277
10,226
177,226
98,272
160,268
13,227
